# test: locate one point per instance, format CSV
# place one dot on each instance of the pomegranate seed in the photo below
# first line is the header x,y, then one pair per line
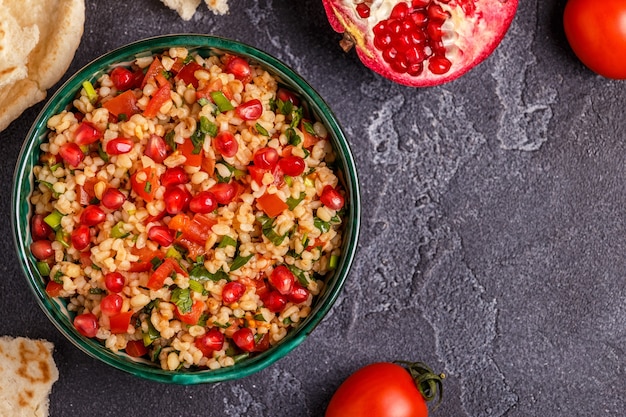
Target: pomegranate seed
x,y
390,54
156,149
282,279
419,19
292,165
119,146
176,199
394,27
380,28
232,292
285,95
71,154
86,134
415,56
203,202
331,198
111,304
250,110
86,324
399,65
161,234
92,215
403,43
298,294
39,229
382,41
41,249
266,158
240,68
363,10
211,341
244,339
114,281
224,192
112,198
437,14
415,69
174,176
275,301
434,31
81,237
122,78
439,65
399,11
226,144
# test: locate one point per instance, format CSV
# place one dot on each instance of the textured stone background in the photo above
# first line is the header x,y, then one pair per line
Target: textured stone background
x,y
492,240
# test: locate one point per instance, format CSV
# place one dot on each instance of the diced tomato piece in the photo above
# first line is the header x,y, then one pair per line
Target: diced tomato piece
x,y
193,249
53,288
256,174
119,323
308,140
199,229
155,68
193,159
85,193
271,204
160,97
205,92
136,348
177,65
125,103
208,165
145,188
187,72
192,317
158,277
145,256
179,222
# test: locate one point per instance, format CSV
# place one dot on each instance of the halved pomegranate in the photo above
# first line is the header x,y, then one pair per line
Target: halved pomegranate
x,y
421,43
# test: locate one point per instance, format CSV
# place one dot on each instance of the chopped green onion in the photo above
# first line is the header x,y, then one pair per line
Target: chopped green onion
x,y
152,334
172,252
292,137
259,317
58,277
196,286
332,263
169,139
118,231
96,291
286,321
203,101
63,237
321,225
308,127
43,268
91,92
300,274
222,103
200,273
156,262
102,154
296,116
207,126
308,182
288,180
54,219
49,186
148,187
56,166
122,117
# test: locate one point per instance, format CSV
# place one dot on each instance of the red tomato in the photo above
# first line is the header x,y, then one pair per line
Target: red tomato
x,y
384,390
186,149
86,324
187,74
209,342
155,68
53,288
145,183
119,322
271,204
595,31
158,277
86,133
160,97
192,316
125,103
136,348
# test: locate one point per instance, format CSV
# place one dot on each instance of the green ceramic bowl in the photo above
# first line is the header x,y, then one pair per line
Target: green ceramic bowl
x,y
23,185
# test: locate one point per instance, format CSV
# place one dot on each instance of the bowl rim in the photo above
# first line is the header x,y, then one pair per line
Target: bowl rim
x,y
20,207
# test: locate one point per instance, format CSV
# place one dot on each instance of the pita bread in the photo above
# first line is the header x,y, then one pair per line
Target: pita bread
x,y
59,24
187,8
28,372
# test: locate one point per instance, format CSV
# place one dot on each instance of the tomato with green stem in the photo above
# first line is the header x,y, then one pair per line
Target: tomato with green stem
x,y
387,389
595,31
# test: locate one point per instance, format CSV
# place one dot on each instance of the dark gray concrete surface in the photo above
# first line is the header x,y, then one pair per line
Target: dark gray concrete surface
x,y
492,242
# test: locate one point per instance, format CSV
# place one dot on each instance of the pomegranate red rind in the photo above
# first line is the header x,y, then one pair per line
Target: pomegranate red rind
x,y
421,43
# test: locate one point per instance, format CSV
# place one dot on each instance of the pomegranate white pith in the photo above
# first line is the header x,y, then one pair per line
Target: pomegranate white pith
x,y
421,42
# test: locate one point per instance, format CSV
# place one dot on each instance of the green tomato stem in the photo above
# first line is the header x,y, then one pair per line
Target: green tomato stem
x,y
429,384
